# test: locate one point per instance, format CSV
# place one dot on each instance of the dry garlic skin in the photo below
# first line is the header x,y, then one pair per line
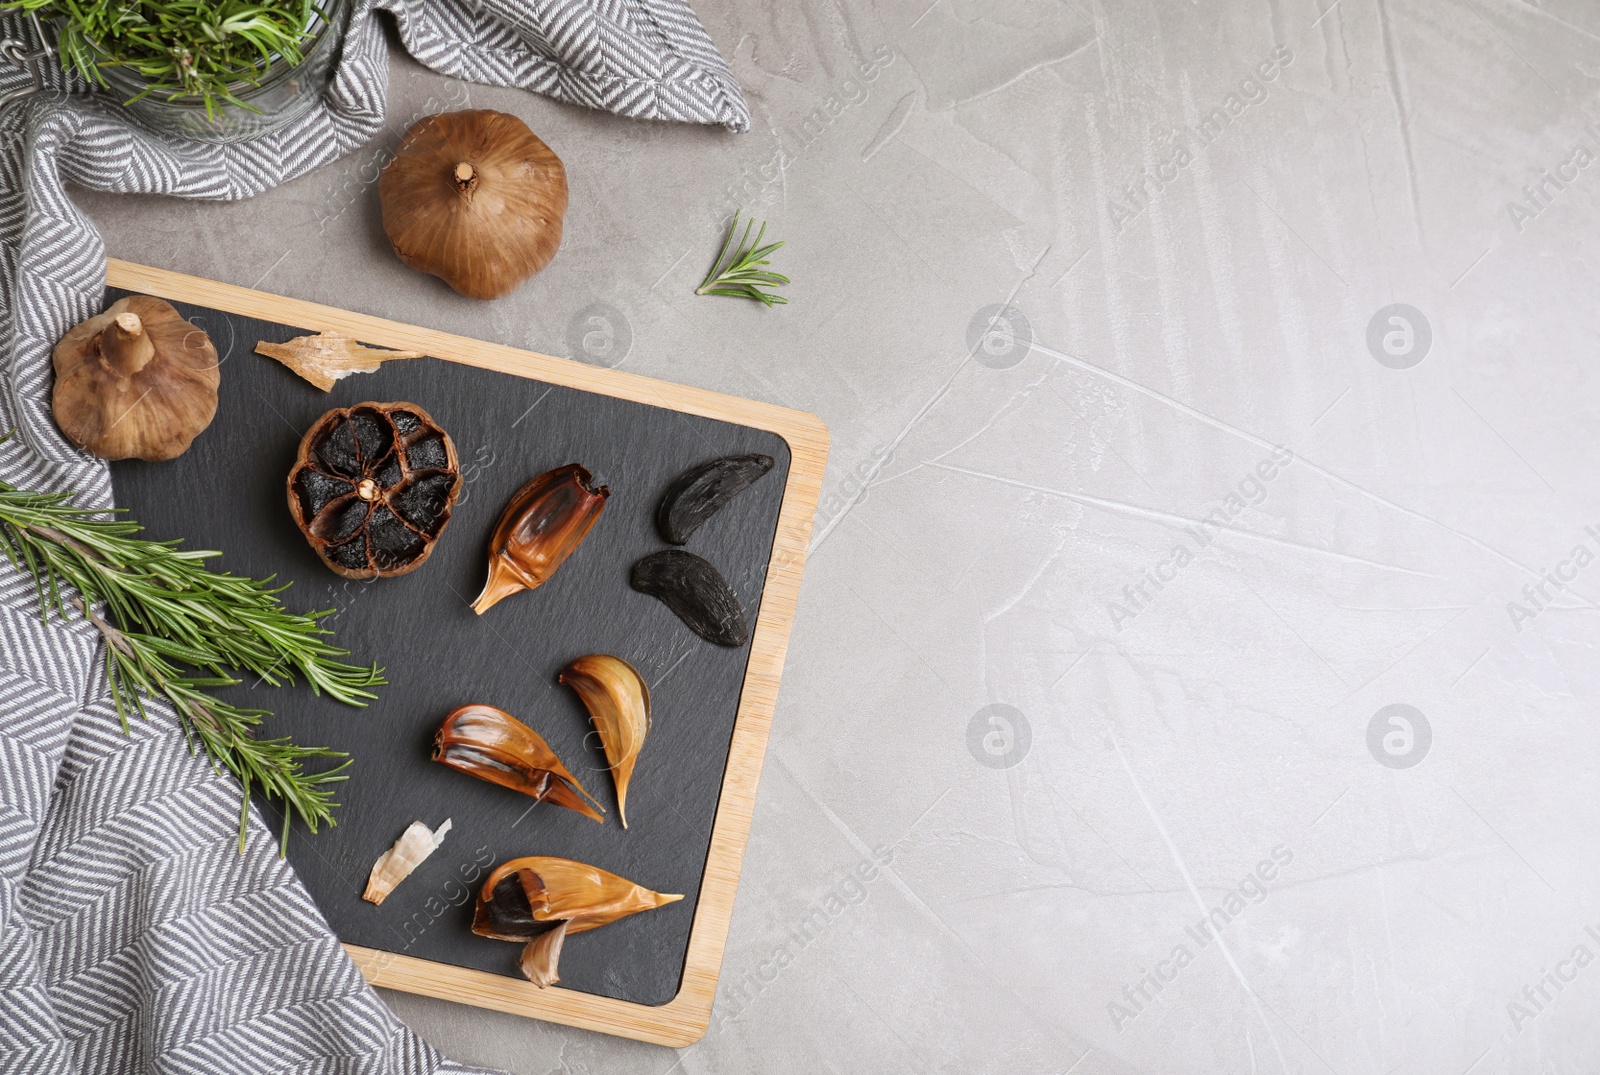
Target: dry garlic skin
x,y
401,860
476,199
328,357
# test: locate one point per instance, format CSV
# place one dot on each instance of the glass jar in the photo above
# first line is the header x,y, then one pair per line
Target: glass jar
x,y
285,93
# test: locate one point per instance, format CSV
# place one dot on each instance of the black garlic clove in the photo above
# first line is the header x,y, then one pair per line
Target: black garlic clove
x,y
696,592
700,493
506,914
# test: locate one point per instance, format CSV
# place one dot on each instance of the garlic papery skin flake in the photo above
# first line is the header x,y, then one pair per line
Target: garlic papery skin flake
x,y
396,864
328,357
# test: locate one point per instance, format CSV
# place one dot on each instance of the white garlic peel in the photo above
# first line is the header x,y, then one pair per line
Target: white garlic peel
x,y
328,357
396,864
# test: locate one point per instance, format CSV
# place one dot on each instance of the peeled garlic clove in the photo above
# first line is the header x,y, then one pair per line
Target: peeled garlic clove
x,y
696,592
492,745
700,493
541,526
618,701
327,357
541,901
396,864
504,910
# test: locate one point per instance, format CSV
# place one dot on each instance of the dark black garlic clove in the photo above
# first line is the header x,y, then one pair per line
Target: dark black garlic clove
x,y
700,493
696,592
504,913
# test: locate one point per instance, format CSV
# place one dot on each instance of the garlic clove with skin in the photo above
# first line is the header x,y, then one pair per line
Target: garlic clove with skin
x,y
541,901
618,701
542,525
492,745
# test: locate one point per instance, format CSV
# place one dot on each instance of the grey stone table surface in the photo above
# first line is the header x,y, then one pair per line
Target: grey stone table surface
x,y
1194,667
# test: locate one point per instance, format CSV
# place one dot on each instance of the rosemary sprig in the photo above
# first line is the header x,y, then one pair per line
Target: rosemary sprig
x,y
742,277
166,613
181,48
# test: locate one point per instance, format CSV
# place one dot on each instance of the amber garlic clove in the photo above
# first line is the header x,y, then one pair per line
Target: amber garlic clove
x,y
541,526
618,701
492,745
541,901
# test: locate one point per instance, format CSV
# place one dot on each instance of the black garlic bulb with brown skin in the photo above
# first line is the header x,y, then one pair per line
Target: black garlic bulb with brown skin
x,y
135,382
476,199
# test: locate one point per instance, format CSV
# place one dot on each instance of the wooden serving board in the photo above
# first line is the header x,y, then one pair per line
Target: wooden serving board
x,y
512,414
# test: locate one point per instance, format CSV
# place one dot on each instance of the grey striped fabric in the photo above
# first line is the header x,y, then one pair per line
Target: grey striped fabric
x,y
133,935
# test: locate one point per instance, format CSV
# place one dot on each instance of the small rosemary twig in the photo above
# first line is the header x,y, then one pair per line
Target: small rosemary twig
x,y
165,612
741,277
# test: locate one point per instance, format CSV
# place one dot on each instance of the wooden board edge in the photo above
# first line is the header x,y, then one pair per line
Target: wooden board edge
x,y
685,1019
673,1025
758,702
166,284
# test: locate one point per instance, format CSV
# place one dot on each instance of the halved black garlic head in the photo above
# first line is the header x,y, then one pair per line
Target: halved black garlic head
x,y
540,901
372,488
492,745
700,493
696,592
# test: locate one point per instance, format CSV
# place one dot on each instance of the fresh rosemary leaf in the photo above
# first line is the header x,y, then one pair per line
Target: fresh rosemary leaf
x,y
175,629
741,277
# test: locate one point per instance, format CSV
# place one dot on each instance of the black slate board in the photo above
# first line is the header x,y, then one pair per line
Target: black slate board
x,y
227,492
